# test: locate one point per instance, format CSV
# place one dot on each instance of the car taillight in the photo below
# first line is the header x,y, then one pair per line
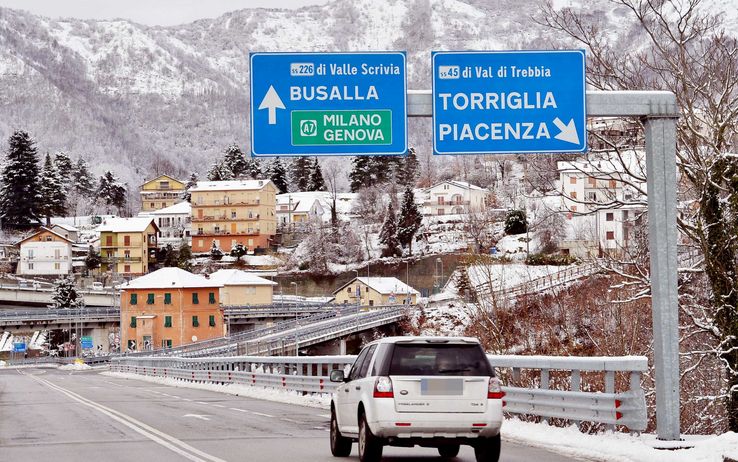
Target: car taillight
x,y
383,388
494,390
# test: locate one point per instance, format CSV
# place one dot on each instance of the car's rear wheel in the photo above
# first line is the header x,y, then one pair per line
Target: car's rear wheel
x,y
488,449
370,448
449,450
340,445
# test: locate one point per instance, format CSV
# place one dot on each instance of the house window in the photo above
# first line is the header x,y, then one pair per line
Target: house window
x,y
613,184
573,194
371,302
57,266
609,216
109,240
134,299
348,290
127,254
57,254
441,211
167,298
167,321
30,266
233,215
211,321
441,200
625,215
211,298
163,185
195,299
625,234
572,180
195,322
166,343
126,240
150,299
133,322
48,239
610,235
153,205
126,268
592,181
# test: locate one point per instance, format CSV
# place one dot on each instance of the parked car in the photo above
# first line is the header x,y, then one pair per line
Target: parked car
x,y
97,286
418,391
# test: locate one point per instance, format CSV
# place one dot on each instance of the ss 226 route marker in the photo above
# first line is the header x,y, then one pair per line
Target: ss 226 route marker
x,y
310,104
508,102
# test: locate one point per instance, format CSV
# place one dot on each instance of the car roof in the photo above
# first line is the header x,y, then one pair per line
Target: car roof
x,y
425,339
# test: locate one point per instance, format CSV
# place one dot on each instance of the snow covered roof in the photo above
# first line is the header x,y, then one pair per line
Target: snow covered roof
x,y
163,176
65,227
166,278
126,225
383,285
460,184
234,277
632,159
42,230
302,202
232,185
180,208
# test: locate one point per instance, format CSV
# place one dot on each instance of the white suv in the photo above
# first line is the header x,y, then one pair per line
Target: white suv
x,y
428,391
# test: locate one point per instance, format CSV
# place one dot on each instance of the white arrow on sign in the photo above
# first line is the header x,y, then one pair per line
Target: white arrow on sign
x,y
271,102
197,416
568,131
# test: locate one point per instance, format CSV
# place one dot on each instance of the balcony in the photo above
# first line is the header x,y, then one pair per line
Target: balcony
x,y
224,218
222,232
226,204
120,260
445,204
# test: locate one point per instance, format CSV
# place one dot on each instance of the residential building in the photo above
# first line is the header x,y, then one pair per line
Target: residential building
x,y
602,204
161,192
68,231
453,197
296,209
175,224
242,288
128,245
376,291
168,308
232,212
45,252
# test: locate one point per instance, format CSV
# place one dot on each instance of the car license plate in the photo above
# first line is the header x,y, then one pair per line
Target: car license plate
x,y
443,387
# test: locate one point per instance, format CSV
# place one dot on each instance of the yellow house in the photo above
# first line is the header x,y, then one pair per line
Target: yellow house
x,y
161,192
233,212
242,288
375,291
127,245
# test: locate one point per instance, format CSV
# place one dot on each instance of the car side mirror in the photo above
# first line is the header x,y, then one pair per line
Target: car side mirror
x,y
337,376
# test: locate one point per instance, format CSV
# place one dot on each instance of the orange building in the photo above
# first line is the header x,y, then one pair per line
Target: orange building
x,y
233,212
168,308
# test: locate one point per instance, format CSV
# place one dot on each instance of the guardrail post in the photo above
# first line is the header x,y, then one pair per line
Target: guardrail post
x,y
576,385
610,388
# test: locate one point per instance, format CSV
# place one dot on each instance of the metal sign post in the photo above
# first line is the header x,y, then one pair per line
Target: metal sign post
x,y
659,113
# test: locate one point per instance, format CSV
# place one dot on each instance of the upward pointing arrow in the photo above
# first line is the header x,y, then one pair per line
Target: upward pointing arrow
x,y
568,131
272,102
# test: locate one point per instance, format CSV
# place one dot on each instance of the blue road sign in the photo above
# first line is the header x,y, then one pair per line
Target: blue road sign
x,y
311,104
87,342
19,347
509,102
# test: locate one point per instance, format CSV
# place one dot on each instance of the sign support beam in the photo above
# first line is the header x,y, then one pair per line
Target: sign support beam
x,y
659,112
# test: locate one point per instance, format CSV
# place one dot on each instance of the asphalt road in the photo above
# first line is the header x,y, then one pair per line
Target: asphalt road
x,y
48,414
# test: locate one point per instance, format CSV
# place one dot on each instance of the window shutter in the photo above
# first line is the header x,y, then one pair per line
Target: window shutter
x,y
212,320
150,299
134,299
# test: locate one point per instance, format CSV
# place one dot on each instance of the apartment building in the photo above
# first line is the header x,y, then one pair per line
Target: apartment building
x,y
175,224
161,192
232,212
45,252
128,245
454,198
376,291
242,288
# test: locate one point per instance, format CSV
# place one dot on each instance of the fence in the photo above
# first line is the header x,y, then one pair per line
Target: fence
x,y
310,374
539,284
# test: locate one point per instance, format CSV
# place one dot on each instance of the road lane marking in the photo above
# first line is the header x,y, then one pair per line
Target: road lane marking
x,y
116,384
186,399
202,402
261,414
219,405
326,416
197,416
290,420
168,441
237,409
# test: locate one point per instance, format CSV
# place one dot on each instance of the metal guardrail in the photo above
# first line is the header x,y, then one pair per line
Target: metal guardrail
x,y
540,283
8,317
309,374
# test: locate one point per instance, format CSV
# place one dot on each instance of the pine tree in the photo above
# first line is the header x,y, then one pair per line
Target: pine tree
x,y
168,256
219,172
254,169
184,256
215,253
65,294
191,183
409,221
92,260
278,175
317,183
82,181
388,234
111,191
300,173
52,196
238,251
19,192
235,161
516,222
407,174
360,175
65,168
463,285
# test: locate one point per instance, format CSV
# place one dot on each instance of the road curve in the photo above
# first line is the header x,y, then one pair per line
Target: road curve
x,y
73,416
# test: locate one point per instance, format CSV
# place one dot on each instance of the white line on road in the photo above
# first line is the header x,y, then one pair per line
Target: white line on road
x,y
237,409
259,413
153,434
290,420
326,416
219,405
113,383
197,416
202,402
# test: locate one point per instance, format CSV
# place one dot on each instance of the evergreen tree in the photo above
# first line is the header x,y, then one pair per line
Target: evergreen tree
x,y
215,253
52,196
463,285
184,257
388,234
235,161
19,192
516,222
65,294
407,174
300,173
360,176
238,251
317,183
409,221
254,169
219,172
111,191
82,181
191,183
65,168
92,260
168,256
278,175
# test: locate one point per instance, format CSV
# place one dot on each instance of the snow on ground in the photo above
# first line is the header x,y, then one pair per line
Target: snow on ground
x,y
319,400
444,319
504,276
75,367
2,363
620,447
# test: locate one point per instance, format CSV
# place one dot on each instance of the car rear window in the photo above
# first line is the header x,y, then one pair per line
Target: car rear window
x,y
441,359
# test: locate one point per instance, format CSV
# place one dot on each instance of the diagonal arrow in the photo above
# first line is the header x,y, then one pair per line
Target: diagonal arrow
x,y
568,132
271,102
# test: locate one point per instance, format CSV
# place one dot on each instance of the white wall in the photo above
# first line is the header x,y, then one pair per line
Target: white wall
x,y
46,257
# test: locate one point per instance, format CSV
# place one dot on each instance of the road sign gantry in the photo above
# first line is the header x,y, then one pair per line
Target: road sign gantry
x,y
309,104
490,102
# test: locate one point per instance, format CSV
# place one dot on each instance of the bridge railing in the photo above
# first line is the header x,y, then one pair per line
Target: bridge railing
x,y
310,374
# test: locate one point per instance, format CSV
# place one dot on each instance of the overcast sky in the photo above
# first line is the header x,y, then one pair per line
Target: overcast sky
x,y
151,12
